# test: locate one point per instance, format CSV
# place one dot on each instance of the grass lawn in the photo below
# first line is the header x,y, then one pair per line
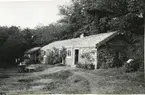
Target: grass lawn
x,y
116,81
65,80
46,81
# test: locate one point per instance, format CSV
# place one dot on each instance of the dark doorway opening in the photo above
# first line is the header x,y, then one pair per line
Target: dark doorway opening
x,y
76,56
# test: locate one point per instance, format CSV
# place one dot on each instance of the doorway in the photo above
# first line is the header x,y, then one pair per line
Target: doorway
x,y
76,56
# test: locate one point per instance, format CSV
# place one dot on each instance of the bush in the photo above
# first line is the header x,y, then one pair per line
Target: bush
x,y
53,57
56,56
60,64
132,66
85,66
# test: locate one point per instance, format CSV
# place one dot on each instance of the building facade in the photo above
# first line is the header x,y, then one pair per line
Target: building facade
x,y
87,50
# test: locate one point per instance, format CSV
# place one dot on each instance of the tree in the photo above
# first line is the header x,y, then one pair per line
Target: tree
x,y
28,36
13,43
120,15
3,35
73,16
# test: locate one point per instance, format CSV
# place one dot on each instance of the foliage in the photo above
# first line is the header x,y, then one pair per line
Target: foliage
x,y
79,17
107,58
135,49
88,58
46,34
13,43
133,66
28,35
120,15
63,52
85,66
55,56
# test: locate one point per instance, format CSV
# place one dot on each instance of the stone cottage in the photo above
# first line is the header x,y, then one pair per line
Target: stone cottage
x,y
100,50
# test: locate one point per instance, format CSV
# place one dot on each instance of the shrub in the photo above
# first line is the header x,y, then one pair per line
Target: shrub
x,y
88,60
60,64
79,65
56,56
132,66
85,66
90,66
53,57
63,53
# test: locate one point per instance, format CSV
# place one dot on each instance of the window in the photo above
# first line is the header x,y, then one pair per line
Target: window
x,y
68,52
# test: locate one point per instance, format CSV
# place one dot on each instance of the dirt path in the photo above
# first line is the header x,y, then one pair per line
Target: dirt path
x,y
93,81
92,78
52,70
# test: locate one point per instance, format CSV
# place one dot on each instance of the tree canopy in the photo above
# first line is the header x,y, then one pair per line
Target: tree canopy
x,y
121,15
81,16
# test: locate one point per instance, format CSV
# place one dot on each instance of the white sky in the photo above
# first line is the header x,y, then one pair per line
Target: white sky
x,y
29,13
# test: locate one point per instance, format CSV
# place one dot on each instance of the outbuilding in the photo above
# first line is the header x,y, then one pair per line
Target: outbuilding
x,y
32,54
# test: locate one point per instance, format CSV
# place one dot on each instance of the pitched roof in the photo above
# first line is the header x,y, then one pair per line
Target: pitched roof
x,y
88,41
32,50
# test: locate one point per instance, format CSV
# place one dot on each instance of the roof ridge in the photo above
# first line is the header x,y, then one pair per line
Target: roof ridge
x,y
84,37
85,41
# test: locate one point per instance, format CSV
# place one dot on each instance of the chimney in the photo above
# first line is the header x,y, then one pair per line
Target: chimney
x,y
82,35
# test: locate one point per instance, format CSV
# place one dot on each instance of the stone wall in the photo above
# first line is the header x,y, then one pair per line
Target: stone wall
x,y
106,57
112,53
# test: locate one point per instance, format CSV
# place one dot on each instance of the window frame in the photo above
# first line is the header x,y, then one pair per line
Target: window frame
x,y
69,53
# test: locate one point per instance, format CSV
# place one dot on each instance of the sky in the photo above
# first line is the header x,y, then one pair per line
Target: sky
x,y
29,13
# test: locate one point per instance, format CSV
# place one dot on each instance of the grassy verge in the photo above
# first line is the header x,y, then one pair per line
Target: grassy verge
x,y
120,82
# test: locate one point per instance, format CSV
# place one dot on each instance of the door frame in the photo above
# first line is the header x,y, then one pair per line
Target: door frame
x,y
75,62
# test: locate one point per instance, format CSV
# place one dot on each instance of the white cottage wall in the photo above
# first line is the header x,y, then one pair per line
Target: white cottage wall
x,y
70,58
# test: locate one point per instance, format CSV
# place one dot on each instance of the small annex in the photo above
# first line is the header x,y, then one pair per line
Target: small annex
x,y
90,49
32,54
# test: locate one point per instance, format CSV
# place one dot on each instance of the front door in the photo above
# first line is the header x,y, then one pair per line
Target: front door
x,y
76,56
